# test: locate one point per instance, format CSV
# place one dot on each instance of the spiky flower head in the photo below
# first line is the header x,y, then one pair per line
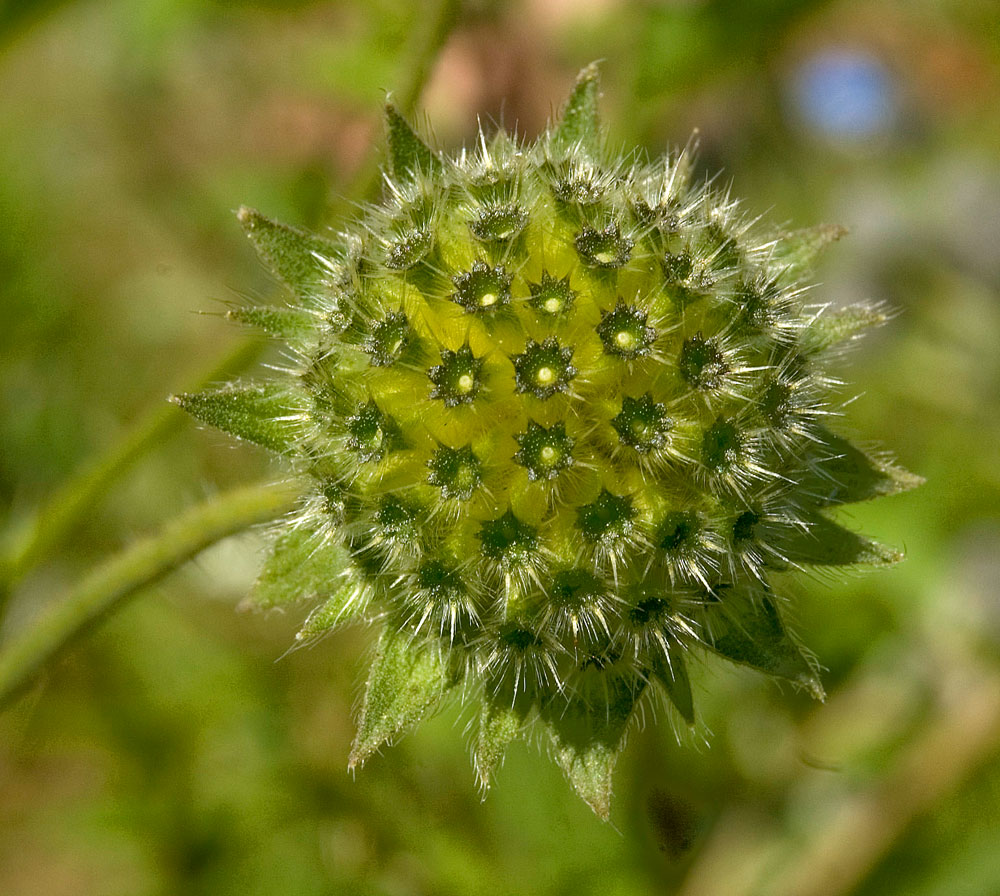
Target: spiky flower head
x,y
558,416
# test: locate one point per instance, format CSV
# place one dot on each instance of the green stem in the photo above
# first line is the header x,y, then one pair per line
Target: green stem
x,y
60,516
118,579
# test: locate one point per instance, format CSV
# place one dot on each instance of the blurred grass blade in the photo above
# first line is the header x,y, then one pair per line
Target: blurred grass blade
x,y
78,497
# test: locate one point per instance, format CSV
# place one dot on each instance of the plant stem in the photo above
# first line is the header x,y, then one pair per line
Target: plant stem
x,y
74,500
115,581
63,512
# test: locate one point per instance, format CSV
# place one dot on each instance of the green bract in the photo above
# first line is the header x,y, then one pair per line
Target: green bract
x,y
559,415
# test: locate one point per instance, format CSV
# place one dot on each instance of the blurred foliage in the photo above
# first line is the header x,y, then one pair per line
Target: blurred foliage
x,y
181,749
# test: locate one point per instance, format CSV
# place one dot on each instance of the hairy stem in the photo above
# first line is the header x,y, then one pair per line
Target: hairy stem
x,y
60,516
64,511
118,579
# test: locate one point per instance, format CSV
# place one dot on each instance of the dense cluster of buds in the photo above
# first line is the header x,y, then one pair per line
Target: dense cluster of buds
x,y
559,416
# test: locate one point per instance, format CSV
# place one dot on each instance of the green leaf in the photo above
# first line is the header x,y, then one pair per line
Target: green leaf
x,y
578,124
831,328
408,680
588,736
798,250
408,154
302,566
301,260
824,543
747,629
499,726
672,674
285,323
265,415
840,473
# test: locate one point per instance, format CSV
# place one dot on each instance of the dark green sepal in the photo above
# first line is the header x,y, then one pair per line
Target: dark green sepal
x,y
407,682
285,323
671,673
265,415
798,250
832,328
408,154
500,724
294,256
841,473
302,565
578,125
824,543
744,625
588,734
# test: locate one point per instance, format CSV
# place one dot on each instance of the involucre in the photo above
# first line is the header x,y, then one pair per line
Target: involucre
x,y
559,415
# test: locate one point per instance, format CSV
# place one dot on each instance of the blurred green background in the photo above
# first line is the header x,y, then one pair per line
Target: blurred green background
x,y
180,749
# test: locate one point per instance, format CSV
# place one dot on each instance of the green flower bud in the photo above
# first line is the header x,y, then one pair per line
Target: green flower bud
x,y
559,417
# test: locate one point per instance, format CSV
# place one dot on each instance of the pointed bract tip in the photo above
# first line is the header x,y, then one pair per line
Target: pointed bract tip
x,y
577,124
408,153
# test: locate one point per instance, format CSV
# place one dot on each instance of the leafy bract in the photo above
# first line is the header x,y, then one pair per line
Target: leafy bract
x,y
268,415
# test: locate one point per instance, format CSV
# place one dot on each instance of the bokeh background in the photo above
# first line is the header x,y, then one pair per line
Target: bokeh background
x,y
180,749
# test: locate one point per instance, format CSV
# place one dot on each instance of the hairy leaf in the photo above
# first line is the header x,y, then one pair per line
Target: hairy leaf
x,y
824,543
303,261
800,249
578,124
841,473
285,323
748,629
267,415
302,566
408,154
588,736
831,328
407,682
673,676
499,726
